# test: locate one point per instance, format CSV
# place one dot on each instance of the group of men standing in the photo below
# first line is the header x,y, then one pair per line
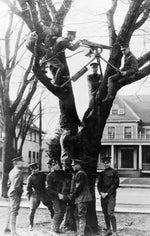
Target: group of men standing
x,y
57,190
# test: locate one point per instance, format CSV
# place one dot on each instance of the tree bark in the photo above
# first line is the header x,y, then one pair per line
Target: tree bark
x,y
8,152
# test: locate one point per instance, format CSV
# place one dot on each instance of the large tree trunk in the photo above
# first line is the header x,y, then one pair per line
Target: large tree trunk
x,y
8,153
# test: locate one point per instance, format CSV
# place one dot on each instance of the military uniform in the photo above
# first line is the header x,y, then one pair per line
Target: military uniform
x,y
54,55
130,67
15,191
108,183
94,81
81,194
36,192
55,183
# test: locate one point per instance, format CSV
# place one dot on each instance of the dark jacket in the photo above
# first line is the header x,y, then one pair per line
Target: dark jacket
x,y
55,183
108,181
80,187
94,81
36,183
130,64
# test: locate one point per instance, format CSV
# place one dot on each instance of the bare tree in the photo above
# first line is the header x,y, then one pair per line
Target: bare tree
x,y
90,136
13,111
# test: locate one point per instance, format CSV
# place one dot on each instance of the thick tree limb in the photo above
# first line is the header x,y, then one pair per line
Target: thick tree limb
x,y
127,28
26,102
24,85
51,8
110,20
144,59
44,13
142,20
62,12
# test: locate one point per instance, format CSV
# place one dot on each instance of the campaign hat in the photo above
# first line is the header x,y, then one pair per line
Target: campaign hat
x,y
33,165
72,32
76,162
106,158
18,158
94,64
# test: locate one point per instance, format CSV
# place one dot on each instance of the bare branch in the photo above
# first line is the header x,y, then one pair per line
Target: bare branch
x,y
7,40
12,7
110,20
17,45
142,20
62,12
26,102
25,83
129,22
51,8
44,13
144,59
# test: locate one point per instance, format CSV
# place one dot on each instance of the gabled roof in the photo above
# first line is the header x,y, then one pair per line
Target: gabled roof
x,y
125,112
140,104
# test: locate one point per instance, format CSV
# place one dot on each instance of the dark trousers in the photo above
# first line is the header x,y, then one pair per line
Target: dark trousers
x,y
59,211
35,200
108,207
56,63
15,200
80,217
112,83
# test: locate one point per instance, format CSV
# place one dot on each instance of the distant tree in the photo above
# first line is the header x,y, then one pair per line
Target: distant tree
x,y
43,12
13,111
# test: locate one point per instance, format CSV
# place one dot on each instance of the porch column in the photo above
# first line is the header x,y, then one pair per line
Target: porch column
x,y
140,157
112,156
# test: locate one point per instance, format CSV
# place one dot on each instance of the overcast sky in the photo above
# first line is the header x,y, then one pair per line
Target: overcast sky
x,y
88,18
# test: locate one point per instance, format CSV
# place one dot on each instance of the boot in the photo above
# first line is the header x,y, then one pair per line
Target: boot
x,y
13,224
82,224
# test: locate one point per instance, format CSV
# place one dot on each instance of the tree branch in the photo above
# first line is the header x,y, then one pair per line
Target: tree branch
x,y
17,46
7,40
144,59
110,20
51,8
44,13
25,83
142,20
62,12
127,28
26,102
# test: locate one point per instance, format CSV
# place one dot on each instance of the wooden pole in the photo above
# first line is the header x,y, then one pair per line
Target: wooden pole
x,y
40,135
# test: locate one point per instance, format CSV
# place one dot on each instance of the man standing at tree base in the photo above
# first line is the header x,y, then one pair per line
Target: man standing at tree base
x,y
107,184
15,191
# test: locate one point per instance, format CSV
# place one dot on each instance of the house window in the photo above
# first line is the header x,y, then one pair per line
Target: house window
x,y
33,156
114,112
37,156
148,133
30,135
127,133
34,137
29,157
111,132
1,149
1,132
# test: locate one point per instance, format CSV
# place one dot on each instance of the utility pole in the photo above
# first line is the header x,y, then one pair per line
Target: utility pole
x,y
40,135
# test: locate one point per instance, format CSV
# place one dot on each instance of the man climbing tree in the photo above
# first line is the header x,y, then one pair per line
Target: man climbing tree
x,y
91,134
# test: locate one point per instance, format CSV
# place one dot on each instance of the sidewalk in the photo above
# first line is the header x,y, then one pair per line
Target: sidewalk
x,y
133,196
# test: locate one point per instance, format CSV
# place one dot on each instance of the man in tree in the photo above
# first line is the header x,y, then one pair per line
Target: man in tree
x,y
53,54
107,184
94,81
129,69
55,182
81,194
15,191
36,192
